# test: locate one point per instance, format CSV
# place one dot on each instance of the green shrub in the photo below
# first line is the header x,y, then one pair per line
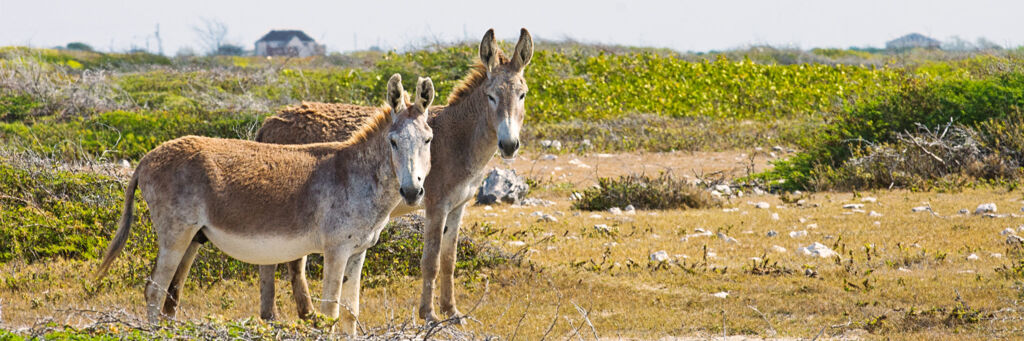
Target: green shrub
x,y
13,108
121,134
643,192
920,101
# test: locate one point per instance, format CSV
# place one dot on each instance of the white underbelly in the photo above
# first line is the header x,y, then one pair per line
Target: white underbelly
x,y
263,249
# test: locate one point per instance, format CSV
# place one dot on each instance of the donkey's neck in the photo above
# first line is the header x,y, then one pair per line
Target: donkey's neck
x,y
371,156
468,128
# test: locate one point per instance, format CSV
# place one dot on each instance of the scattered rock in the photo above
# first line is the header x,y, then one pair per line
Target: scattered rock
x,y
595,216
721,294
517,243
1014,240
615,211
1008,231
602,228
548,157
973,256
734,209
777,149
575,196
660,256
762,205
993,215
810,273
778,249
502,185
537,202
630,210
727,239
818,250
798,234
556,144
490,215
548,218
920,209
853,206
812,226
579,163
488,208
874,214
995,255
775,216
802,220
963,211
985,208
724,189
869,199
772,233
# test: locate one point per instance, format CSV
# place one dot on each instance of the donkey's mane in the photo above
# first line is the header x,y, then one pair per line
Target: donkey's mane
x,y
380,120
477,75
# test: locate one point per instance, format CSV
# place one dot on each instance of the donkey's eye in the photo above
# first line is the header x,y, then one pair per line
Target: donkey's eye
x,y
492,99
522,96
428,141
394,144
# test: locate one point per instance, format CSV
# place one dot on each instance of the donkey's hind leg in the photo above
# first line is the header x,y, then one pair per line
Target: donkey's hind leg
x,y
173,244
300,289
178,281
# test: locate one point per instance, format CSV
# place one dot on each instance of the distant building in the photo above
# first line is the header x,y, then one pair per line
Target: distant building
x,y
913,41
288,43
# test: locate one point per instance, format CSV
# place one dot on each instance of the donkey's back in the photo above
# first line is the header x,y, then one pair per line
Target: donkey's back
x,y
312,122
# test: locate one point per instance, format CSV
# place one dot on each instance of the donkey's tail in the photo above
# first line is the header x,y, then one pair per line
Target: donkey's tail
x,y
124,227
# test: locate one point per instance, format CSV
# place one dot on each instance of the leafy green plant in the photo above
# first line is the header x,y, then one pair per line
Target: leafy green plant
x,y
644,192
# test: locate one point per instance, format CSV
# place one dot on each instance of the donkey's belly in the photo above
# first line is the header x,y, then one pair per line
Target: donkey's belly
x,y
262,249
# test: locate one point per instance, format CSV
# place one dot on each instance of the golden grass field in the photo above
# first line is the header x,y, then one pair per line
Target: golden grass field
x,y
901,275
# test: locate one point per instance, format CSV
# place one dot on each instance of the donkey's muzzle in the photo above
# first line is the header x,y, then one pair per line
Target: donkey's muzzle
x,y
411,194
508,148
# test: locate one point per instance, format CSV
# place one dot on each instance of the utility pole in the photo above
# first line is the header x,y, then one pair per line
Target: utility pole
x,y
159,42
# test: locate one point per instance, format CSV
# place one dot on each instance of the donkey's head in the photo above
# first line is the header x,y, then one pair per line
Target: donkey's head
x,y
409,136
506,89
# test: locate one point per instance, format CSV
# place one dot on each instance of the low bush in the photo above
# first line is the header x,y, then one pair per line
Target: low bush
x,y
121,134
644,192
859,128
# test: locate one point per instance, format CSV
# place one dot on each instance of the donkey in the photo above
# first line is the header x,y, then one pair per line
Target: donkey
x,y
267,203
484,115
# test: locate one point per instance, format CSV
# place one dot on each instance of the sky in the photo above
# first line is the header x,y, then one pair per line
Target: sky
x,y
120,25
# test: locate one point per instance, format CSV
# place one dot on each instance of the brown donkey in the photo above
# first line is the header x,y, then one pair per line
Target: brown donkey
x,y
484,114
267,203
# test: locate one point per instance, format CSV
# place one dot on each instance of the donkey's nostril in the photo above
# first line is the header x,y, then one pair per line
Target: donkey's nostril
x,y
401,191
421,190
419,178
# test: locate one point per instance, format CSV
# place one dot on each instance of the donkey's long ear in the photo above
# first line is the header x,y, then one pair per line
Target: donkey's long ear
x,y
396,94
489,51
424,94
524,50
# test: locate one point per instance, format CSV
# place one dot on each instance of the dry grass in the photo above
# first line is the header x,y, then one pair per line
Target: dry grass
x,y
906,277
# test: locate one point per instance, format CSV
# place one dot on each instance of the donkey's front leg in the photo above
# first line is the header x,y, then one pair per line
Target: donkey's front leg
x,y
350,286
267,310
449,248
436,217
334,273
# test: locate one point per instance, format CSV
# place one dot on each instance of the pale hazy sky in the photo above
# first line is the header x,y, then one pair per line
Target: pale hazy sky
x,y
346,25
